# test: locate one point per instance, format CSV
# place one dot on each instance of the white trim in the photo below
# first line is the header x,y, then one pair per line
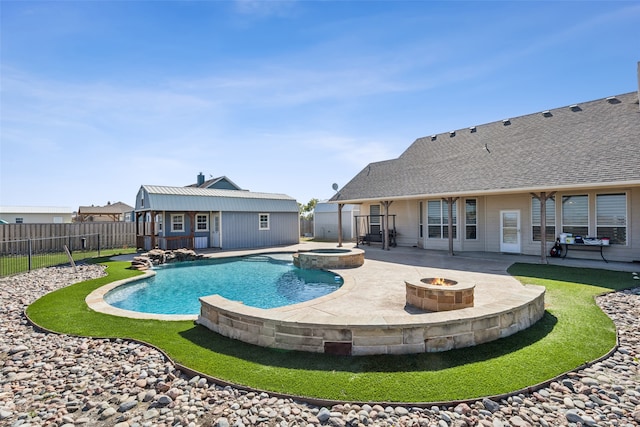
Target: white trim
x,y
206,222
173,224
260,221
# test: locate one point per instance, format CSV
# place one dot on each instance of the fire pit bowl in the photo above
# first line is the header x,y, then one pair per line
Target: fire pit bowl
x,y
439,294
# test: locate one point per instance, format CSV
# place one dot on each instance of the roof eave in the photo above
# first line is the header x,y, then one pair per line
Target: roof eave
x,y
475,193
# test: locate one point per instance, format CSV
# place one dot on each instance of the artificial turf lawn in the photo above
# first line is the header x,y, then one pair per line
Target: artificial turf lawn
x,y
572,331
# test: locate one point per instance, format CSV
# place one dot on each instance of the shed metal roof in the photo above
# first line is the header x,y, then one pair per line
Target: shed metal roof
x,y
595,143
162,198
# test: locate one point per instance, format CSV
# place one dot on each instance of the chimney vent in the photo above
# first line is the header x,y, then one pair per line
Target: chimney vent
x,y
613,100
200,179
506,122
472,129
547,113
575,108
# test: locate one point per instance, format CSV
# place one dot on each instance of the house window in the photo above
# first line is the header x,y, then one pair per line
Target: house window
x,y
19,220
550,209
438,219
263,221
611,217
471,219
374,219
202,222
575,215
420,220
177,222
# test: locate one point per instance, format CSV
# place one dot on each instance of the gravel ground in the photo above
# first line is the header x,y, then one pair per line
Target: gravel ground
x,y
59,380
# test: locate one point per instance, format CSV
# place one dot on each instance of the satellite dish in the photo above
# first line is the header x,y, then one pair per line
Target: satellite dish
x,y
335,187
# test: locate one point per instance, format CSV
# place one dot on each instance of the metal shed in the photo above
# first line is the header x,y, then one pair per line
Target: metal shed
x,y
198,218
325,221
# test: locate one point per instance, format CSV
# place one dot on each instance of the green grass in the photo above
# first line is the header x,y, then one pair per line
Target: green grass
x,y
10,265
573,331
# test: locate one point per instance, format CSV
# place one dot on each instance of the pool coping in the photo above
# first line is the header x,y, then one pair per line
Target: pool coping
x,y
95,301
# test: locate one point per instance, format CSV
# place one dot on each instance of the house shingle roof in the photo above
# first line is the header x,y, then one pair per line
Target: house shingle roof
x,y
595,143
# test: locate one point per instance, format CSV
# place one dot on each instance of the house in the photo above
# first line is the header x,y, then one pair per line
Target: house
x,y
36,214
197,216
514,185
111,212
325,221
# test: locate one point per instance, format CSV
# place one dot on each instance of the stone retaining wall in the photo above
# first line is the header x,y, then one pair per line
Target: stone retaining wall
x,y
319,260
429,332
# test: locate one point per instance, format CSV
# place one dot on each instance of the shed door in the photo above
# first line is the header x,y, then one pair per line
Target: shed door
x,y
215,230
510,231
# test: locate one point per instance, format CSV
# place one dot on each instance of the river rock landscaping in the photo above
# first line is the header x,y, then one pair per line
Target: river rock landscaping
x,y
59,380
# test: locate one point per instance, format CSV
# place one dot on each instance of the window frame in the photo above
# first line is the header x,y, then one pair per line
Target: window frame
x,y
613,240
174,223
475,219
564,225
264,224
198,223
443,220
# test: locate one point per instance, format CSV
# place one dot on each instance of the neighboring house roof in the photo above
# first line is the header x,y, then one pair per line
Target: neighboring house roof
x,y
221,182
181,199
595,143
36,210
109,209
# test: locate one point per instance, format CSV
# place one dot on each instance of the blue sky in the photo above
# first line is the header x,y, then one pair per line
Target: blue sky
x,y
100,97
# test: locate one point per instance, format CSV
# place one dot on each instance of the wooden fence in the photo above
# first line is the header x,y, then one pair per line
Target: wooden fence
x,y
112,234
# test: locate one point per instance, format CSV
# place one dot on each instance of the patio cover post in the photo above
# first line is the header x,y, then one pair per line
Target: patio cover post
x,y
543,223
385,224
340,206
450,201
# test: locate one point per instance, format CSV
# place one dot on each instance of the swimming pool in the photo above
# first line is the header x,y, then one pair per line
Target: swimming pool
x,y
263,281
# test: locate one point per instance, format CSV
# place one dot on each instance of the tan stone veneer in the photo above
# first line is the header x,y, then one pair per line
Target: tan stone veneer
x,y
404,334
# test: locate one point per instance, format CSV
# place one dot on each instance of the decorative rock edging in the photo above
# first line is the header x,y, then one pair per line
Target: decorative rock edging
x,y
62,380
158,256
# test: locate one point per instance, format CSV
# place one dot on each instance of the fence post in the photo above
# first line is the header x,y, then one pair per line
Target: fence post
x,y
30,254
98,244
70,247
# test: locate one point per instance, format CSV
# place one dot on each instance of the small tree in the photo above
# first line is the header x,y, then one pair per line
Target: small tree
x,y
306,211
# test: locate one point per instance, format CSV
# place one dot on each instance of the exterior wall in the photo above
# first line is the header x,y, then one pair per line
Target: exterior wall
x,y
240,230
488,224
325,225
38,218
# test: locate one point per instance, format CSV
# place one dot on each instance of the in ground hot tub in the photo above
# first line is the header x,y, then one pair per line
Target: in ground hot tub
x,y
438,294
329,258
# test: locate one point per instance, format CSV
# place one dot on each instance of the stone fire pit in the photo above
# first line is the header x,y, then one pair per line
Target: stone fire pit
x,y
439,294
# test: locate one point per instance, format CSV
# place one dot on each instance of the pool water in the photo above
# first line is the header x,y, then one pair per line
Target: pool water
x,y
259,281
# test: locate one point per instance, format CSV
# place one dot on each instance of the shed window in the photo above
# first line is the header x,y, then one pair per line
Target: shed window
x,y
19,220
550,210
263,221
202,222
575,215
471,219
611,217
177,222
438,219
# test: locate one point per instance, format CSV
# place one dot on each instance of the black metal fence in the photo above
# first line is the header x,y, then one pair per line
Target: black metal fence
x,y
18,256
